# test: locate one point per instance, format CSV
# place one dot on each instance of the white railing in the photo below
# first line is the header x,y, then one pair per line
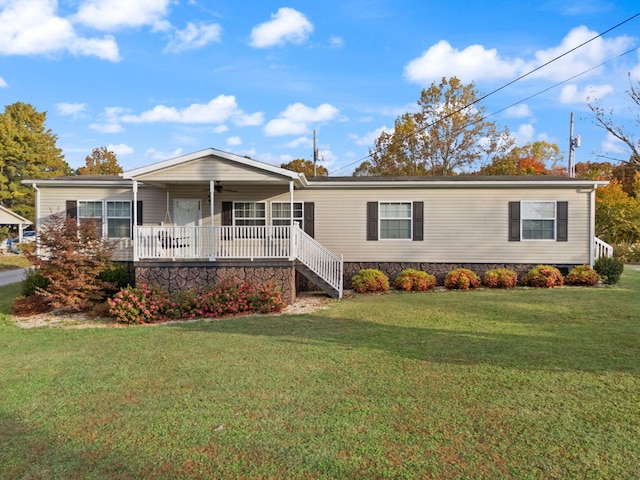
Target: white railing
x,y
318,259
602,249
251,242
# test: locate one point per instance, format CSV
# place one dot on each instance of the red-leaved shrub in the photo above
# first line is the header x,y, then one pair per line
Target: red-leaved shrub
x,y
500,278
370,280
544,276
415,280
461,279
582,275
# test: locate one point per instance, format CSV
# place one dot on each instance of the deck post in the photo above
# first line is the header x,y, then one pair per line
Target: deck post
x,y
134,225
291,240
212,190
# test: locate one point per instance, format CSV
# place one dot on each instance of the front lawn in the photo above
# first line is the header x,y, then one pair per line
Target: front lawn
x,y
482,384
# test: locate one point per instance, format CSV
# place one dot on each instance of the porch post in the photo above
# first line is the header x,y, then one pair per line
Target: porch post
x,y
135,221
212,190
592,226
292,255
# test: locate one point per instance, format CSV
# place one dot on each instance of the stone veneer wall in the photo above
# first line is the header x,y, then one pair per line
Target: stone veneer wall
x,y
192,275
440,270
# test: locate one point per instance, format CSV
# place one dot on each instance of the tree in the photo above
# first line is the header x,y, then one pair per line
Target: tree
x,y
615,125
27,150
301,165
617,214
531,159
101,162
448,135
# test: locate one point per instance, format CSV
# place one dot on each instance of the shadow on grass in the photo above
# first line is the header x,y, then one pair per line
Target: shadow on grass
x,y
571,348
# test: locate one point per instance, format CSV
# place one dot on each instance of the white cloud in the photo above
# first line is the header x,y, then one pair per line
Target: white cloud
x,y
525,134
106,127
296,118
613,146
3,84
109,15
474,63
518,111
570,93
221,129
635,71
368,139
249,120
194,37
287,25
219,110
477,63
158,155
31,27
300,142
336,42
74,110
120,149
234,141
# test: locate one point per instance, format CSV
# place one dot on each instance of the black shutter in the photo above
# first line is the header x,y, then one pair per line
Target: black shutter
x,y
562,217
372,220
227,214
72,208
418,221
514,221
139,212
309,218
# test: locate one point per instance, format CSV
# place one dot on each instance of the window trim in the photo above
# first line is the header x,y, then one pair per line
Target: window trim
x,y
107,217
381,219
233,214
555,221
272,218
104,217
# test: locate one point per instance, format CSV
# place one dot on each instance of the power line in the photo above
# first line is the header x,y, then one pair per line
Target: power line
x,y
511,83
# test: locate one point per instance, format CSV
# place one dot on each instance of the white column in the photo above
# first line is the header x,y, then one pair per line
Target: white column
x,y
292,254
212,190
592,225
135,221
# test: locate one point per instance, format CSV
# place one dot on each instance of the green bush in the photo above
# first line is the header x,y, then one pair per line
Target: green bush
x,y
544,276
582,275
33,280
370,280
415,280
610,269
627,252
500,278
461,279
116,275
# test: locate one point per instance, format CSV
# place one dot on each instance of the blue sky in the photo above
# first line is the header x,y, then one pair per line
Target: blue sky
x,y
154,79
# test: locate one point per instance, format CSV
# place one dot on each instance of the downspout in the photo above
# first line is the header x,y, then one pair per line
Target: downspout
x,y
292,254
212,190
37,190
135,221
592,225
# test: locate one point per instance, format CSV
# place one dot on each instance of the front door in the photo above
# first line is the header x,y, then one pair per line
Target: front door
x,y
186,215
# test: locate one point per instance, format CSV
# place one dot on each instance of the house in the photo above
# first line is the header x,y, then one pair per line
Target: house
x,y
194,219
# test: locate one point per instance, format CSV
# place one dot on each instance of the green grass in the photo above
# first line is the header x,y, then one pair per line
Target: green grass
x,y
482,384
11,262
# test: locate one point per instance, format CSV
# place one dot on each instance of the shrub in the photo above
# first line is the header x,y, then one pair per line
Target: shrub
x,y
500,278
610,269
582,275
116,276
415,280
142,304
33,281
544,276
28,306
370,280
461,279
627,252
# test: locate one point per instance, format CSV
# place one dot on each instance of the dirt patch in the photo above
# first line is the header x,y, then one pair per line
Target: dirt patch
x,y
305,303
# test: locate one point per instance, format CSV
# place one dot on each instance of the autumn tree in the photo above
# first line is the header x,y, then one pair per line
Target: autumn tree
x,y
102,161
617,214
301,165
27,150
447,135
614,123
535,158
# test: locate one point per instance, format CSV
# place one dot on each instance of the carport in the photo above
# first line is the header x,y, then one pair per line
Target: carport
x,y
7,217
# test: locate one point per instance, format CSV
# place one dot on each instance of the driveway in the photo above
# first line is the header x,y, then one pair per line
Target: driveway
x,y
12,276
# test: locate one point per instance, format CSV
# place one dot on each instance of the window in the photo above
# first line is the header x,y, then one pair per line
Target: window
x,y
249,214
395,220
90,212
119,219
281,213
538,220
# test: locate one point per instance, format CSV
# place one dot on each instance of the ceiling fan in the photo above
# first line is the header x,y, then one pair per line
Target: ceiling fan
x,y
218,188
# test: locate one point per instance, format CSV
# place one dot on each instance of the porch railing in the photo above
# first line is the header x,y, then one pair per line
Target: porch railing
x,y
602,249
248,242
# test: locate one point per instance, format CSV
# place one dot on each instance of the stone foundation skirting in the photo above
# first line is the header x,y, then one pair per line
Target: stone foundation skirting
x,y
440,270
193,275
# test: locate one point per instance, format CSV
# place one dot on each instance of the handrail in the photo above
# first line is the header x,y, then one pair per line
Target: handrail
x,y
318,259
602,248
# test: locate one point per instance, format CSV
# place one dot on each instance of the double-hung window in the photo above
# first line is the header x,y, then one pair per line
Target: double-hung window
x,y
249,214
395,220
90,211
538,220
281,213
119,219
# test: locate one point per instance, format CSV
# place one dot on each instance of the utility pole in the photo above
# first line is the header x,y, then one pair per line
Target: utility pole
x,y
574,142
315,152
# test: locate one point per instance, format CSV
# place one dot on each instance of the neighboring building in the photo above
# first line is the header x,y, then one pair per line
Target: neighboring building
x,y
194,219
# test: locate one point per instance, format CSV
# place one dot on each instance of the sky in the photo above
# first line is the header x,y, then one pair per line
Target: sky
x,y
155,79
